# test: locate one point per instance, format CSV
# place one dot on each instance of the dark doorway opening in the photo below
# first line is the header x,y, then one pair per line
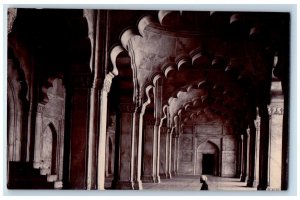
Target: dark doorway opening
x,y
208,164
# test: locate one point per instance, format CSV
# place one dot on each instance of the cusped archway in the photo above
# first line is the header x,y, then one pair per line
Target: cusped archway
x,y
207,159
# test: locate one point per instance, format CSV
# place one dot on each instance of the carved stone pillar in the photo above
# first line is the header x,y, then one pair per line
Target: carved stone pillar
x,y
238,157
244,157
37,143
176,155
149,154
275,155
163,150
93,138
252,144
92,18
169,153
156,151
173,155
102,134
122,176
136,148
158,112
263,148
78,116
256,174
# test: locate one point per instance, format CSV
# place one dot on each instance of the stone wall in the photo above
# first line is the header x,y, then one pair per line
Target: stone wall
x,y
49,138
229,148
207,138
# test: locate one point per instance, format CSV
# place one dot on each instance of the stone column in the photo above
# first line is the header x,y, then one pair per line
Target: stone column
x,y
177,155
97,26
169,155
136,148
244,157
92,139
156,150
248,152
38,132
257,142
124,119
163,153
79,115
275,155
263,148
251,169
149,162
238,157
173,155
102,134
285,140
158,112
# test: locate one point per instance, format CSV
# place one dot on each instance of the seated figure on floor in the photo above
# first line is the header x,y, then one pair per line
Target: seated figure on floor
x,y
203,180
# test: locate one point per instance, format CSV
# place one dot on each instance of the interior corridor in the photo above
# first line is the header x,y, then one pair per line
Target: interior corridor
x,y
192,183
130,99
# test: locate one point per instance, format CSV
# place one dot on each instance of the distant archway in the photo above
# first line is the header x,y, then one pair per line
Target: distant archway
x,y
49,149
17,109
207,161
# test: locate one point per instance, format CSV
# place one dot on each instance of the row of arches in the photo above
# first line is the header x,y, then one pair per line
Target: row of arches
x,y
151,92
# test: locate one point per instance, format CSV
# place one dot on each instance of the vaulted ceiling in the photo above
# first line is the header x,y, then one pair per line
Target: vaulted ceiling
x,y
211,63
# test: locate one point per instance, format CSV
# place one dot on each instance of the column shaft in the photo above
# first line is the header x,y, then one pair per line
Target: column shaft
x,y
123,164
251,169
263,149
149,162
244,158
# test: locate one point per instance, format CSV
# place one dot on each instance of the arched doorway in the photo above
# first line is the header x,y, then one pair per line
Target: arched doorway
x,y
207,161
49,150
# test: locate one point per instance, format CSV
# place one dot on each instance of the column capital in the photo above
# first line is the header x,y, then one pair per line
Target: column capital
x,y
275,110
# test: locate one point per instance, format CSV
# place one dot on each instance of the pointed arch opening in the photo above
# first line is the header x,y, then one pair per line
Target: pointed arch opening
x,y
207,161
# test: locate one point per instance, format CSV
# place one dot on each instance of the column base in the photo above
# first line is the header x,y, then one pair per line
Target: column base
x,y
250,183
157,179
163,176
273,189
138,185
243,178
262,187
169,176
148,179
124,185
238,175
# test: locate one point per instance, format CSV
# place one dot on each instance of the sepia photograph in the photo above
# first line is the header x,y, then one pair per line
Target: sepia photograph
x,y
144,99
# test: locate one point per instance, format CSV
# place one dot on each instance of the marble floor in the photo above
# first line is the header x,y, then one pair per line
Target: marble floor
x,y
192,183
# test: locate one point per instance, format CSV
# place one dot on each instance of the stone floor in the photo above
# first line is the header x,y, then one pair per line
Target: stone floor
x,y
192,183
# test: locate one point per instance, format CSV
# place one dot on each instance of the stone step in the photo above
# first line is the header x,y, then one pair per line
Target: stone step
x,y
22,175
